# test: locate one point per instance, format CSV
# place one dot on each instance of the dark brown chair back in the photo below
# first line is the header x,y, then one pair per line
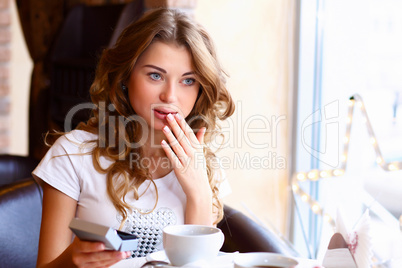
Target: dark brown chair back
x,y
242,234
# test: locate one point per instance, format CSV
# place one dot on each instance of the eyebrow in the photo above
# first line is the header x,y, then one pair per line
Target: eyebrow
x,y
156,67
164,71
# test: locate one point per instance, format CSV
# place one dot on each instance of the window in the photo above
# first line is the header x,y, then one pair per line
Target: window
x,y
349,48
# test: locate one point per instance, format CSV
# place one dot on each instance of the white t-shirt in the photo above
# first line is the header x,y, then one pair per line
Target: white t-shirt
x,y
68,167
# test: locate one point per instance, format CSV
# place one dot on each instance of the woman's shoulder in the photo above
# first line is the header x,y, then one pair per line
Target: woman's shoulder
x,y
81,136
77,139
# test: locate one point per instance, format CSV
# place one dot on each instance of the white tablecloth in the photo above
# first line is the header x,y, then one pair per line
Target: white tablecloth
x,y
222,261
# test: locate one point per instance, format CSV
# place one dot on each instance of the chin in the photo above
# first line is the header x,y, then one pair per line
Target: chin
x,y
157,126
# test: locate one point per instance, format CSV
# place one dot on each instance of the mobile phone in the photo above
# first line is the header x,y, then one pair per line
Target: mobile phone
x,y
112,238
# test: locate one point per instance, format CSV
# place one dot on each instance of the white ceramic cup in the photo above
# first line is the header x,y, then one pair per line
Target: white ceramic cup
x,y
263,259
188,243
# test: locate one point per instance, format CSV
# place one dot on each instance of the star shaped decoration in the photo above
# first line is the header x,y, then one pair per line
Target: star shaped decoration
x,y
316,174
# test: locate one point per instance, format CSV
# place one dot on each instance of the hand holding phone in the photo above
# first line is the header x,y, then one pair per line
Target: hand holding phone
x,y
113,239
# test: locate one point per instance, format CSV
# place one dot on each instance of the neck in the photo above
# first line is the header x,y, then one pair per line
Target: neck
x,y
152,146
159,164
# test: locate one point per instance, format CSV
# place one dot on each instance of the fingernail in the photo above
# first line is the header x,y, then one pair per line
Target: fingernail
x,y
178,116
128,254
164,142
170,116
166,129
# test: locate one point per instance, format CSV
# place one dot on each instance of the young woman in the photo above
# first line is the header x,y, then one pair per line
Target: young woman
x,y
142,161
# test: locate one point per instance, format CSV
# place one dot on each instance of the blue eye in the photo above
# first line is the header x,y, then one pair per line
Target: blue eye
x,y
155,76
188,81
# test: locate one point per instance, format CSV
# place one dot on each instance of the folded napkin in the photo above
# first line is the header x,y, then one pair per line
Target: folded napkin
x,y
350,249
338,253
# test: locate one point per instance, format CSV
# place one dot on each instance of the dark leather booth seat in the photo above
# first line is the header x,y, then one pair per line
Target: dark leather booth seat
x,y
20,212
242,234
14,168
20,218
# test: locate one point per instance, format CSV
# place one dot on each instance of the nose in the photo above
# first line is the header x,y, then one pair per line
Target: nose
x,y
168,93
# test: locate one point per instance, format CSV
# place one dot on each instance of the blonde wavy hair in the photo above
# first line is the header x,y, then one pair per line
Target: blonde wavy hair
x,y
114,68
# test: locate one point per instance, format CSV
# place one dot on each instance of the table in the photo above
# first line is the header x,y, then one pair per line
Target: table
x,y
226,261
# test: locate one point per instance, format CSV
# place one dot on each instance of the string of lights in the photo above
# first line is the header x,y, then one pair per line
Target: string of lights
x,y
315,174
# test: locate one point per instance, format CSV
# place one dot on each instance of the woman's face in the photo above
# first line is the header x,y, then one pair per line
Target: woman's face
x,y
163,82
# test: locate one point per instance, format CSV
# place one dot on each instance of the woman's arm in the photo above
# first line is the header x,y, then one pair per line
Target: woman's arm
x,y
55,247
199,210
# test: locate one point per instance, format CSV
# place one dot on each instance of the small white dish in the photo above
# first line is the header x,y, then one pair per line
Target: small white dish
x,y
161,256
263,259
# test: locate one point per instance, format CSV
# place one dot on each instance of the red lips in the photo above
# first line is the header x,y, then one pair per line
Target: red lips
x,y
165,111
162,113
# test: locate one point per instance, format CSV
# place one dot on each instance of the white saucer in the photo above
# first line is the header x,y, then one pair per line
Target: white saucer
x,y
161,256
263,258
157,256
